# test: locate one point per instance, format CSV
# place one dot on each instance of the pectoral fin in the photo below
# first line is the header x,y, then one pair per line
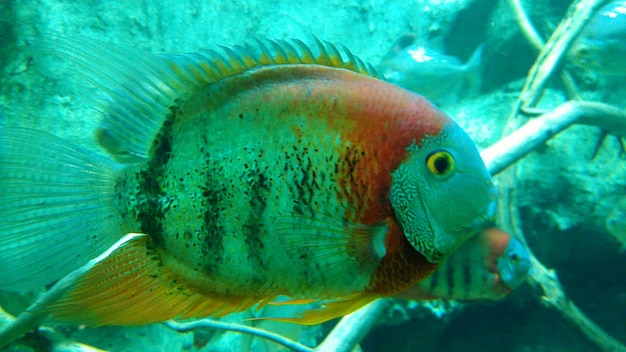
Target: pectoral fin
x,y
349,252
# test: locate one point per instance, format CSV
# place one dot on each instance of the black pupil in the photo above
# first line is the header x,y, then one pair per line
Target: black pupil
x,y
514,257
441,164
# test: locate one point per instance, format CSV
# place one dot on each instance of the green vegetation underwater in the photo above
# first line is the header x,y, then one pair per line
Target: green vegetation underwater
x,y
339,175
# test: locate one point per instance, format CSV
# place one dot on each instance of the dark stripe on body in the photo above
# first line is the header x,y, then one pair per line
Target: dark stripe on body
x,y
212,231
302,179
467,275
450,279
150,213
434,278
352,157
303,185
253,228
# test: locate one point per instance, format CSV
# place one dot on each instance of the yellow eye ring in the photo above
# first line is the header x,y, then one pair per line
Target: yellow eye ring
x,y
440,163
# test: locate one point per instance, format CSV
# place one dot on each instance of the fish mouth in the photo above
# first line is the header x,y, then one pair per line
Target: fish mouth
x,y
487,215
480,221
490,211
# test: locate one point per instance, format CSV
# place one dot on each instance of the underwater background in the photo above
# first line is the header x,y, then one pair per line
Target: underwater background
x,y
568,194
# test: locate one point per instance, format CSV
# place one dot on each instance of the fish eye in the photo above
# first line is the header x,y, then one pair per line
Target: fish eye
x,y
514,257
440,163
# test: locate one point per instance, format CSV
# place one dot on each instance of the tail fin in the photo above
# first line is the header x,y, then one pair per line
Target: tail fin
x,y
473,69
56,208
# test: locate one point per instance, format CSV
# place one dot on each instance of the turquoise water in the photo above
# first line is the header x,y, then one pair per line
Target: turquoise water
x,y
563,192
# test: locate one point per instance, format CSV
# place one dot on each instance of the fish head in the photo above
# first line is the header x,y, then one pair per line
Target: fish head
x,y
442,194
601,46
514,264
598,55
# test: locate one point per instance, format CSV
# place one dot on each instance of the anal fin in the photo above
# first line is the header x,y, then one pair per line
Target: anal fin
x,y
331,310
132,287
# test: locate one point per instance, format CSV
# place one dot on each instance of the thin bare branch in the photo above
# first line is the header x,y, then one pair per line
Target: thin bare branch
x,y
551,295
352,328
555,49
220,325
526,25
538,130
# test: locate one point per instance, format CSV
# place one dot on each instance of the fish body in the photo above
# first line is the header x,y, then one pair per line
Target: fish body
x,y
421,69
488,266
616,223
250,172
601,46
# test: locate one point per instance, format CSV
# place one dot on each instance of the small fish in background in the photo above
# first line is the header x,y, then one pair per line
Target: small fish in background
x,y
243,174
488,266
601,45
616,223
600,49
441,78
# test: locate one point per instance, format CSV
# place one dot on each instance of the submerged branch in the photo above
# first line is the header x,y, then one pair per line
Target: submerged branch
x,y
521,140
524,22
555,49
344,337
220,325
537,131
352,328
535,39
552,296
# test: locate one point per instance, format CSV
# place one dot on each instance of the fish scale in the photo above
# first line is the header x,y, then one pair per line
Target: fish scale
x,y
234,210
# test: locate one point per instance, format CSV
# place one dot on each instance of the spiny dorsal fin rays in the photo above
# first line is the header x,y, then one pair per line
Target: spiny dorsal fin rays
x,y
281,55
265,52
330,52
307,55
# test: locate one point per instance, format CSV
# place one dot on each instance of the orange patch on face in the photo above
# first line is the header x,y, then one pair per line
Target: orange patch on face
x,y
497,241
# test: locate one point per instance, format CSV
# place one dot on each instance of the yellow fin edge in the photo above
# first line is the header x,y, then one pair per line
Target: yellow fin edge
x,y
131,287
331,310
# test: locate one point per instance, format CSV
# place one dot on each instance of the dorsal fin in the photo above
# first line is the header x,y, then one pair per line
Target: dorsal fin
x,y
208,66
141,90
265,52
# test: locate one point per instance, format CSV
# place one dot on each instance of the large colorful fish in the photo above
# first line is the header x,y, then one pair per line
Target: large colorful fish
x,y
488,266
252,172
